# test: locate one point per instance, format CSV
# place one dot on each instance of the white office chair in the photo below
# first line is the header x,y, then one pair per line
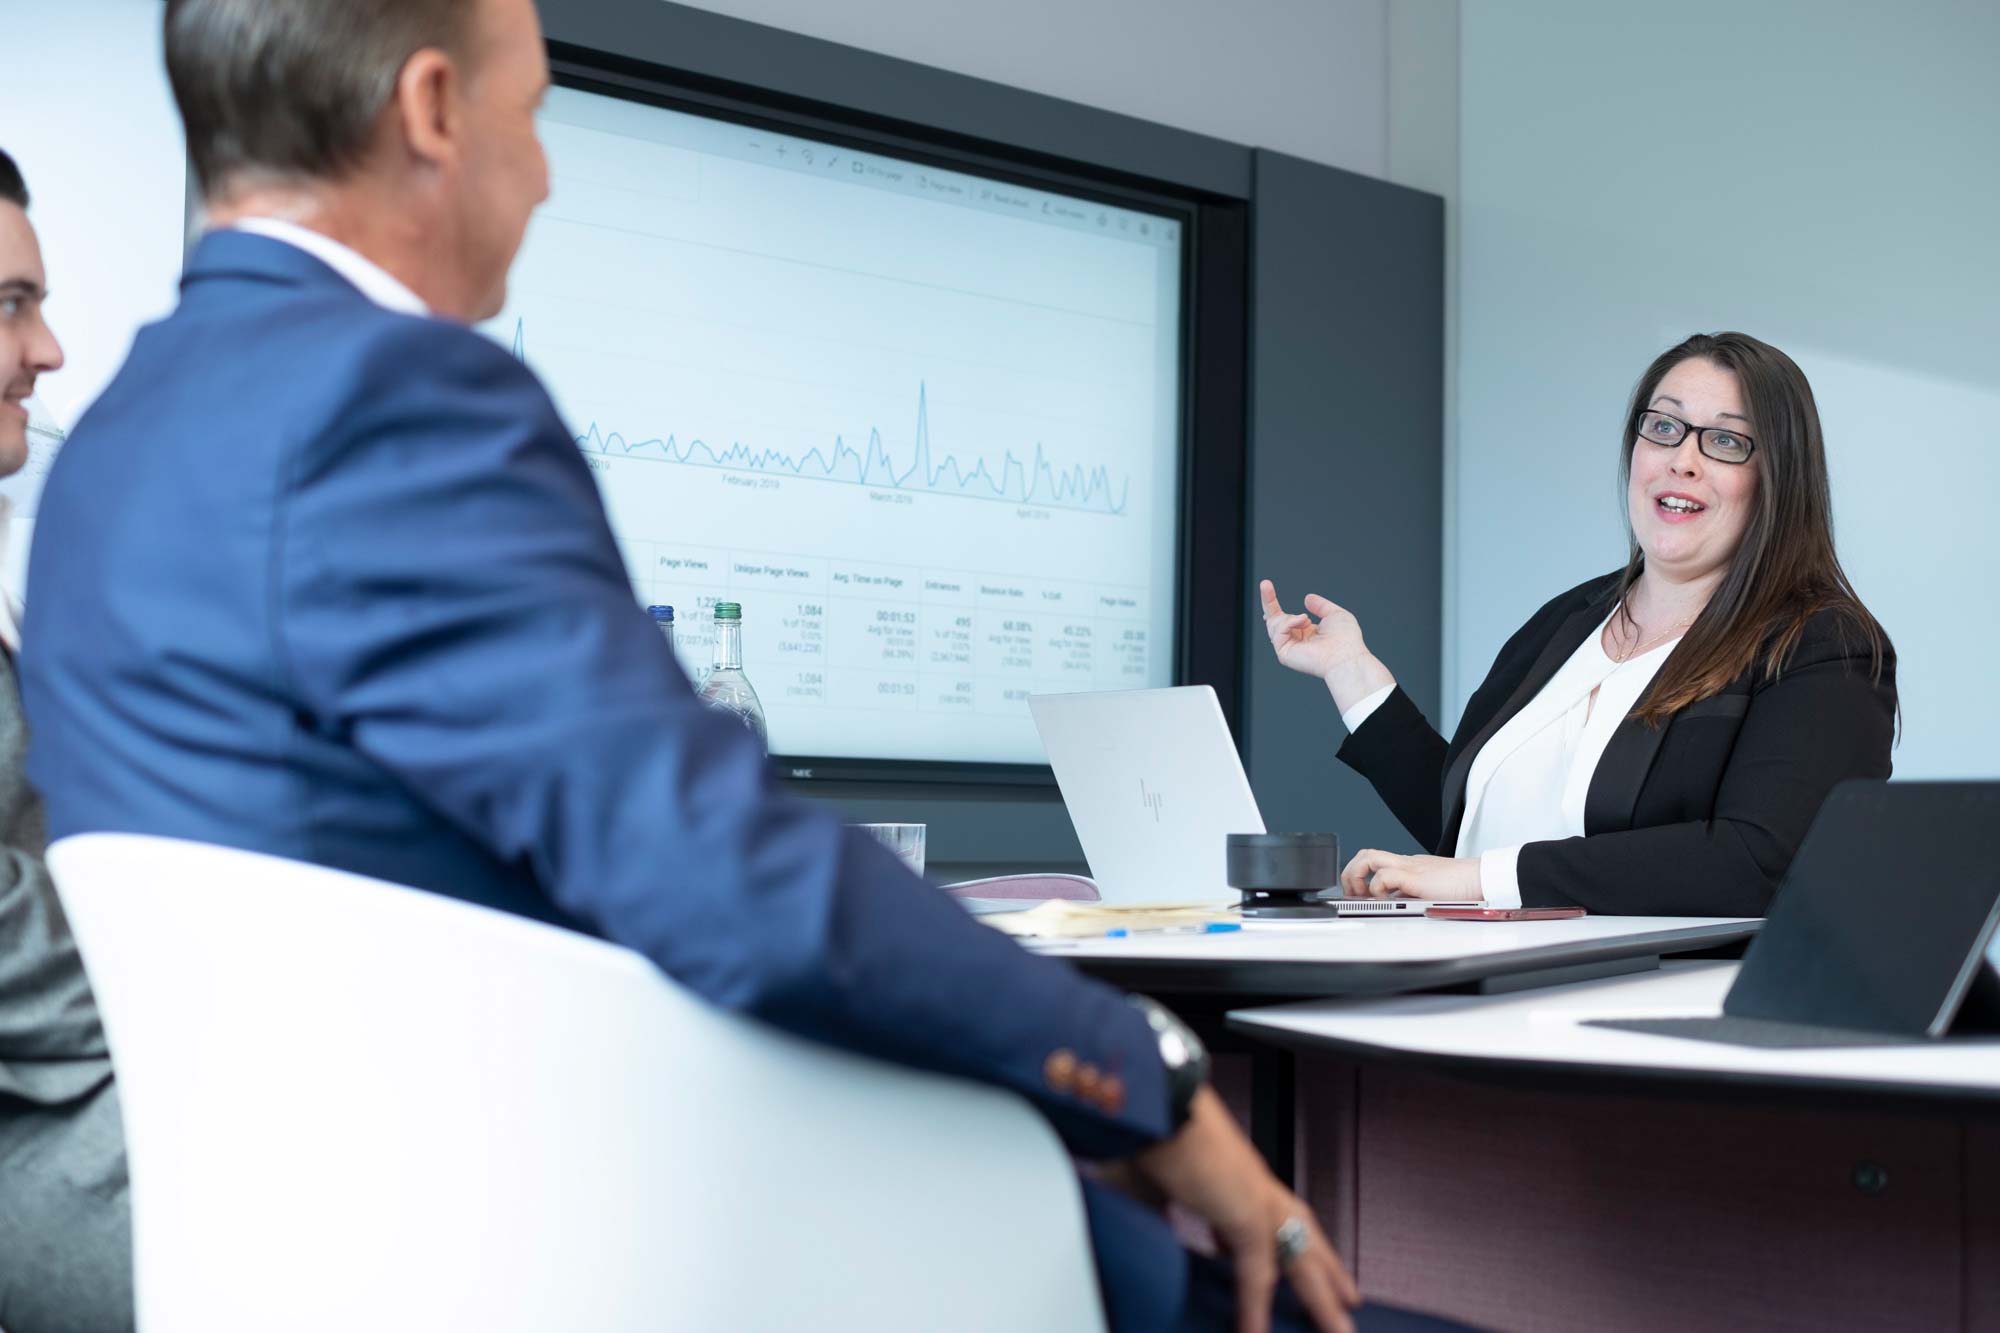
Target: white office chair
x,y
352,1105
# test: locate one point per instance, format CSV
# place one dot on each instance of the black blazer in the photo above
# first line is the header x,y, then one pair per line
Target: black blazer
x,y
1699,817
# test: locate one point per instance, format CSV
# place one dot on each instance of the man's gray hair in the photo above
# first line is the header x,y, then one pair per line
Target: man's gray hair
x,y
290,90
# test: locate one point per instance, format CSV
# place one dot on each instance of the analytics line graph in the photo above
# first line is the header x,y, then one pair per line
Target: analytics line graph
x,y
1037,482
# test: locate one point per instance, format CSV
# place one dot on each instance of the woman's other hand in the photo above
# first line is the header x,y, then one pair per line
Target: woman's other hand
x,y
1373,874
1331,647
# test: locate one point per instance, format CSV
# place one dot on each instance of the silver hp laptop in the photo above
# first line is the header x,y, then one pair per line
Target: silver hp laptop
x,y
1154,786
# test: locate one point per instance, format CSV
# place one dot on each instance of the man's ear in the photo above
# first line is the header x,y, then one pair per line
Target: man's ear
x,y
426,108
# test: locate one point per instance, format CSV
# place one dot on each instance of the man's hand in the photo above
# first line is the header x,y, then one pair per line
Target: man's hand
x,y
1373,874
1210,1169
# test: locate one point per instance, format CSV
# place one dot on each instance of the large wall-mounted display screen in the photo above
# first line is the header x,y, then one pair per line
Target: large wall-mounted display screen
x,y
924,425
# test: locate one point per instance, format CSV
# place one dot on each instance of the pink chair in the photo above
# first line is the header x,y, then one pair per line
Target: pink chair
x,y
1032,888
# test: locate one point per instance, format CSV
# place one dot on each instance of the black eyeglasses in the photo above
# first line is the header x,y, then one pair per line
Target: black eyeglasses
x,y
1724,446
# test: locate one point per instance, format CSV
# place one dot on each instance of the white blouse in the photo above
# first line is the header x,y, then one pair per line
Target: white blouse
x,y
1529,781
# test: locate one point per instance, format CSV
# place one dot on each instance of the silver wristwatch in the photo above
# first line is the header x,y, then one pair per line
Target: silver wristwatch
x,y
1181,1053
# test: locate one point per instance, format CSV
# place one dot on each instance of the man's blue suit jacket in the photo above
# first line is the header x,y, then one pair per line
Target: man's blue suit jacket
x,y
334,583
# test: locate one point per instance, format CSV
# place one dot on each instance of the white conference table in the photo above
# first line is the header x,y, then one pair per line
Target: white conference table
x,y
1393,955
1548,1031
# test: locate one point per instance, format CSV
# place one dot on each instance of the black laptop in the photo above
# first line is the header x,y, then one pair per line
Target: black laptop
x,y
1880,932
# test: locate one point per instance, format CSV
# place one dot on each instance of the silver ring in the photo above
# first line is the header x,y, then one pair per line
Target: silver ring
x,y
1293,1240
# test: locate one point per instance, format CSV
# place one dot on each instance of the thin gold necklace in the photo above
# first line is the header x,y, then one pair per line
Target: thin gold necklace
x,y
1632,652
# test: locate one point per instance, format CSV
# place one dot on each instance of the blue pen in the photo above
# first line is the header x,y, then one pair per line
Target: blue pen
x,y
1210,928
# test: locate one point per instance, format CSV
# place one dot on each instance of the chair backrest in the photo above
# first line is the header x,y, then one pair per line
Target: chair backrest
x,y
353,1105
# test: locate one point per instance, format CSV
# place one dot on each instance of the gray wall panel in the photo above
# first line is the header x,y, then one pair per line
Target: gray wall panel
x,y
1346,465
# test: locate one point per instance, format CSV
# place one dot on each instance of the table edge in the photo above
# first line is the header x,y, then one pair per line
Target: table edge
x,y
1542,1070
1298,979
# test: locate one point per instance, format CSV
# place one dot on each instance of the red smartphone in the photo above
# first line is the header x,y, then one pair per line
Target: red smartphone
x,y
1504,913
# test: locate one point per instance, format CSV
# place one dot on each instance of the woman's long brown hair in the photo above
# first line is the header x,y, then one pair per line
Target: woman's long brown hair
x,y
1785,571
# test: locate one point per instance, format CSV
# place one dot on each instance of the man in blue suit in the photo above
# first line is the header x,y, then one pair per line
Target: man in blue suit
x,y
323,575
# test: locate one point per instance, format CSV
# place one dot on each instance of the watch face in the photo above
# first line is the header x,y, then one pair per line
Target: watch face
x,y
1182,1055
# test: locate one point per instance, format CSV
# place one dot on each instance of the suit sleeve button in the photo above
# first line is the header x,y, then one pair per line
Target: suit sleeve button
x,y
1059,1070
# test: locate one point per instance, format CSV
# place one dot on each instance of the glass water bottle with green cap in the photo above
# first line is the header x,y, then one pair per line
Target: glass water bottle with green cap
x,y
726,687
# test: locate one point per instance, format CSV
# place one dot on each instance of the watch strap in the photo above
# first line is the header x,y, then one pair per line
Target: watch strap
x,y
1182,1055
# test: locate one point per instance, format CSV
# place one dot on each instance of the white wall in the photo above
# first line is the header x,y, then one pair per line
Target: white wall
x,y
1823,175
107,174
1306,77
85,110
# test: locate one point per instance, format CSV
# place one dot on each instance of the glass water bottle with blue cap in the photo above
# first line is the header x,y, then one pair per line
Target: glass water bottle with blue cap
x,y
726,687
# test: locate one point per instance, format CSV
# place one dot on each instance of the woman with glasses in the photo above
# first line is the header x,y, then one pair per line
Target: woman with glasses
x,y
1654,741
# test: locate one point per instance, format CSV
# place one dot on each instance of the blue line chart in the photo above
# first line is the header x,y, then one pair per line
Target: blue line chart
x,y
1035,482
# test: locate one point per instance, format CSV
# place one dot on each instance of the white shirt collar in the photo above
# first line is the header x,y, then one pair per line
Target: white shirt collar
x,y
367,277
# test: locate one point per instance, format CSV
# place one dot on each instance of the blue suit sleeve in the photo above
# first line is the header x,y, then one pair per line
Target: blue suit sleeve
x,y
451,602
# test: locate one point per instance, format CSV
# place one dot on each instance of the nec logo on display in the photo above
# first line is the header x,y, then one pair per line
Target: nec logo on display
x,y
1152,800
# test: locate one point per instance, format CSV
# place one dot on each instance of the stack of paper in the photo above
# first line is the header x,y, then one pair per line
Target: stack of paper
x,y
1060,918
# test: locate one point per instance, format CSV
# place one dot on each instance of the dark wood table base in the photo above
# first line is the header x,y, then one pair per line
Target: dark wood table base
x,y
1577,1210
